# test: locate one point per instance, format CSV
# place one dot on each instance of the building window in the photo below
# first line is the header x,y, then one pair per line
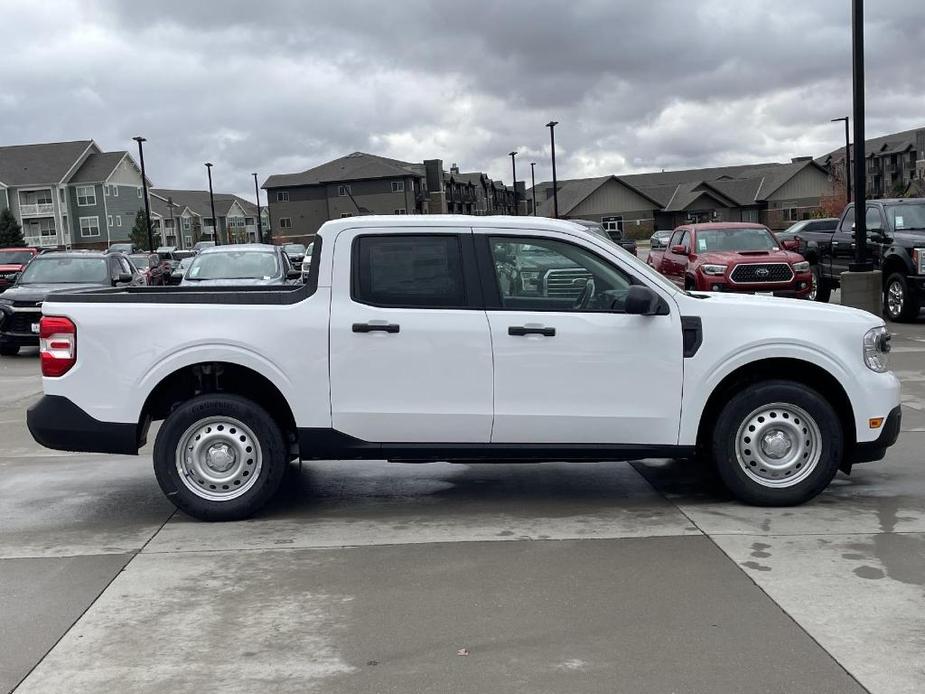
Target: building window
x,y
168,224
115,191
346,214
208,221
612,223
285,222
282,196
86,196
187,241
249,221
343,191
186,223
109,220
400,210
118,220
137,190
749,215
789,214
398,186
89,226
106,190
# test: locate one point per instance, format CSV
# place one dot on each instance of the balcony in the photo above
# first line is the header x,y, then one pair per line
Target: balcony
x,y
42,241
39,209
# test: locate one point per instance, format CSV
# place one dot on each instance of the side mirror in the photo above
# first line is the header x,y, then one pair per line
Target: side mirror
x,y
679,250
293,274
640,301
122,277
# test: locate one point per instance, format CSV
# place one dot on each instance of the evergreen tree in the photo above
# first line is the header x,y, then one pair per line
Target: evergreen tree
x,y
10,230
139,233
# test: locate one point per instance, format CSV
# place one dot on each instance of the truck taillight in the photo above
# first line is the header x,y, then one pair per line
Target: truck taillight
x,y
57,345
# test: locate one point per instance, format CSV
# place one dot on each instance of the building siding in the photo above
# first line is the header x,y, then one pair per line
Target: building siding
x,y
75,212
612,197
808,183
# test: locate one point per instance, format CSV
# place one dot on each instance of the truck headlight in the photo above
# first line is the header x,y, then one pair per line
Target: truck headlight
x,y
876,349
918,257
802,266
714,270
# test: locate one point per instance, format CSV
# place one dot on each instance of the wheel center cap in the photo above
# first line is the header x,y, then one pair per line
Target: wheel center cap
x,y
776,444
220,457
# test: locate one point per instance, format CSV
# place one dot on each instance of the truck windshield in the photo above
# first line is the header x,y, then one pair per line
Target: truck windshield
x,y
294,249
65,271
233,265
15,257
747,239
906,216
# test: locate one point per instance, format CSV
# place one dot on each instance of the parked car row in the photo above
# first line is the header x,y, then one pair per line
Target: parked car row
x,y
53,272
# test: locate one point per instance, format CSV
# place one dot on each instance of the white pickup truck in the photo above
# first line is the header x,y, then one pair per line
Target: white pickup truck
x,y
452,338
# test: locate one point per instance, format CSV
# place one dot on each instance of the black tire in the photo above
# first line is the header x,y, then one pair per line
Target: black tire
x,y
806,476
823,290
900,305
8,350
267,450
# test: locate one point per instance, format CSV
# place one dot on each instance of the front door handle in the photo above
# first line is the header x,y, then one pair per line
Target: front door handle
x,y
375,327
519,330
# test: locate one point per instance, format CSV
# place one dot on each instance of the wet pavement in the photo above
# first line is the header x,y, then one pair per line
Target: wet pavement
x,y
372,577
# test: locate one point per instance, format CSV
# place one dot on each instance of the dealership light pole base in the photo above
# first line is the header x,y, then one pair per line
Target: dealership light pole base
x,y
863,290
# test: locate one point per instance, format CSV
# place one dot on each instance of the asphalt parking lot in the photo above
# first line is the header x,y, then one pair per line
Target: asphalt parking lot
x,y
377,577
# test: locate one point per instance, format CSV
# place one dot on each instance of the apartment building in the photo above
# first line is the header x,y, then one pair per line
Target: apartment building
x,y
774,194
895,163
70,193
362,184
182,217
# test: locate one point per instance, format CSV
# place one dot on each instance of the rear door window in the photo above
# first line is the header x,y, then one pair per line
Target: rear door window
x,y
409,271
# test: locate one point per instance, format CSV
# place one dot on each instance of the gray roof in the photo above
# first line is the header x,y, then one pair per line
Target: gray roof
x,y
198,202
894,142
45,163
353,167
98,167
572,192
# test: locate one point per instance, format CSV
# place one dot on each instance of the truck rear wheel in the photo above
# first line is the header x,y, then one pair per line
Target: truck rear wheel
x,y
899,304
777,443
219,457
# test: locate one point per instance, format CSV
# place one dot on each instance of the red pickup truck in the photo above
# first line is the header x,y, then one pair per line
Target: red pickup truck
x,y
12,261
732,257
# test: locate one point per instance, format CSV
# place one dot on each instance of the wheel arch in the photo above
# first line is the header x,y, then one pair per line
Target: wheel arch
x,y
894,262
779,369
217,377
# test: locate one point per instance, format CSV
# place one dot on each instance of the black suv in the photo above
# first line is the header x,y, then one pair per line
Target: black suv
x,y
21,304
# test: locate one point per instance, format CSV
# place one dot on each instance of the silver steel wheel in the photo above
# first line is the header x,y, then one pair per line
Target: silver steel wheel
x,y
895,298
778,445
219,458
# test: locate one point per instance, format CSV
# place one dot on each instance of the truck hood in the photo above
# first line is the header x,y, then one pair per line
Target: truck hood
x,y
795,308
740,257
39,292
15,267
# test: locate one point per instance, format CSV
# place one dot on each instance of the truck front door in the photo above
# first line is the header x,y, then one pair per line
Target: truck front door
x,y
570,366
410,347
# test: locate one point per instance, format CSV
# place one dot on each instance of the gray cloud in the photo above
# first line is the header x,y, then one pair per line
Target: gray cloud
x,y
278,86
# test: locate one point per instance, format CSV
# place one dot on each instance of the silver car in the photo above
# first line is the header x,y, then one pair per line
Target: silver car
x,y
240,265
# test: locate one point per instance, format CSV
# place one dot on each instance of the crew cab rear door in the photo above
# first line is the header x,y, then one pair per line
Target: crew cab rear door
x,y
571,368
410,348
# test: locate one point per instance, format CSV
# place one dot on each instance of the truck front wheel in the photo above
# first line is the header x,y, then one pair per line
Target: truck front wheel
x,y
899,304
820,291
219,457
777,443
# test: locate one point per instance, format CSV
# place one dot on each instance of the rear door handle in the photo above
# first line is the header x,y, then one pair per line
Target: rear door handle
x,y
375,327
519,330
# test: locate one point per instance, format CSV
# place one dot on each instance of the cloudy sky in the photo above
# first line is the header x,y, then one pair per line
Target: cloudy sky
x,y
277,86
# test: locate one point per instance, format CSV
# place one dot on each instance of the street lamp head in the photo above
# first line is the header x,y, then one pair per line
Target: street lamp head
x,y
552,124
139,139
843,118
512,154
208,165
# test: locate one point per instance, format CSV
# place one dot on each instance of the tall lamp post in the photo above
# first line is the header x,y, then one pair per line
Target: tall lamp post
x,y
514,174
533,184
259,218
552,143
847,158
861,286
173,225
144,185
215,235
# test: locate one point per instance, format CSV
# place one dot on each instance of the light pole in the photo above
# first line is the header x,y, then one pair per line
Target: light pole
x,y
514,174
533,184
552,142
847,158
176,232
144,185
259,219
215,236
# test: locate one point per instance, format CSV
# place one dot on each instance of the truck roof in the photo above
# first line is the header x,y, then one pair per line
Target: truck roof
x,y
723,225
449,220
